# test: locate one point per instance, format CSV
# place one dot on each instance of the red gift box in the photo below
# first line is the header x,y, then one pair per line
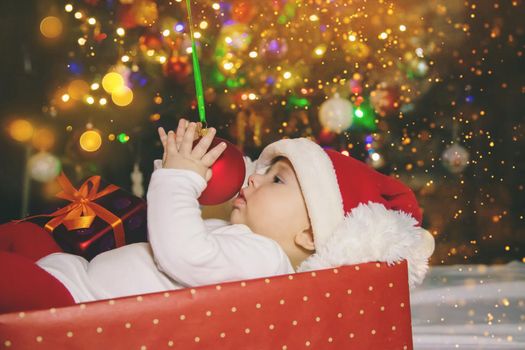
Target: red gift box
x,y
364,306
96,220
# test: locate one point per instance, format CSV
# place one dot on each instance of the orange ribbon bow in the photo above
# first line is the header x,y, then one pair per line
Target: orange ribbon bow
x,y
83,210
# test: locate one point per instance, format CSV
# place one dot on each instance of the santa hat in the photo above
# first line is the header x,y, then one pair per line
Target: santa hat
x,y
357,214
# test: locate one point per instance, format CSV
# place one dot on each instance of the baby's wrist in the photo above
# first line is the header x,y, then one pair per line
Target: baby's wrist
x,y
200,172
179,171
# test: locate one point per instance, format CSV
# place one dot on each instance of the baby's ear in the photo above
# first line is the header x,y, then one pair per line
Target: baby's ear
x,y
305,239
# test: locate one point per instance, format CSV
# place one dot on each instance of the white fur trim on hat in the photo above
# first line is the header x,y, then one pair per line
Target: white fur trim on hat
x,y
371,232
316,175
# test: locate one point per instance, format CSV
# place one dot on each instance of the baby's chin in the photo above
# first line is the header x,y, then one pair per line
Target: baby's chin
x,y
236,217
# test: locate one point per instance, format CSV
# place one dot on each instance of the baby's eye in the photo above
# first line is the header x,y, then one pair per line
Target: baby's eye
x,y
277,179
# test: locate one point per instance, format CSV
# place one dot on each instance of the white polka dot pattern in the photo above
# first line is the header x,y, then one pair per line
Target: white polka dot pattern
x,y
363,306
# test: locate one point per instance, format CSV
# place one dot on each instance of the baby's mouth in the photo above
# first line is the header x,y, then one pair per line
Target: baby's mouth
x,y
239,200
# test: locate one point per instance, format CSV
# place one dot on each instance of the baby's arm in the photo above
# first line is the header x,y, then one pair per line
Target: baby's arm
x,y
177,233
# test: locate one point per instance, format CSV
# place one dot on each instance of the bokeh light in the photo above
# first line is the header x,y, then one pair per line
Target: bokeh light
x,y
112,81
43,166
122,137
122,97
90,141
43,139
21,130
51,27
77,89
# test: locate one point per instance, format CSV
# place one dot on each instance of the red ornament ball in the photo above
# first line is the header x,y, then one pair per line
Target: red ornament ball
x,y
228,174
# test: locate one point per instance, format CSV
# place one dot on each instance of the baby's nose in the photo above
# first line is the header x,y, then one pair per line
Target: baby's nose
x,y
253,180
250,180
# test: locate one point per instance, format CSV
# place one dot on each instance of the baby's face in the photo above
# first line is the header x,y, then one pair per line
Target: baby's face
x,y
272,204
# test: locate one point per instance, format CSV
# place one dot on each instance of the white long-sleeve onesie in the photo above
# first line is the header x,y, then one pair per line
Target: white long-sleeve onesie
x,y
183,249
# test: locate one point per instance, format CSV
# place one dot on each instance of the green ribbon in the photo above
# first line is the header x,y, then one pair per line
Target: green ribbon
x,y
196,70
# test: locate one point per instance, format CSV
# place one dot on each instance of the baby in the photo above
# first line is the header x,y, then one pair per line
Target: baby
x,y
304,208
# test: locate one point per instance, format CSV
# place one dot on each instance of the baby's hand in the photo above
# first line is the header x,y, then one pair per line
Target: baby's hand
x,y
179,152
183,125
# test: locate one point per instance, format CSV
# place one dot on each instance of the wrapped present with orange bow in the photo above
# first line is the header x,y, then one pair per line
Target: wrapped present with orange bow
x,y
96,219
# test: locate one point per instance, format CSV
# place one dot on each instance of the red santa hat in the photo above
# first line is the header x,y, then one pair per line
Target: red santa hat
x,y
357,214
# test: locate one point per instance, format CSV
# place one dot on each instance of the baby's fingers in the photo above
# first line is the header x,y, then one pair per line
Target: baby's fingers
x,y
202,147
171,147
214,154
181,128
187,139
162,136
